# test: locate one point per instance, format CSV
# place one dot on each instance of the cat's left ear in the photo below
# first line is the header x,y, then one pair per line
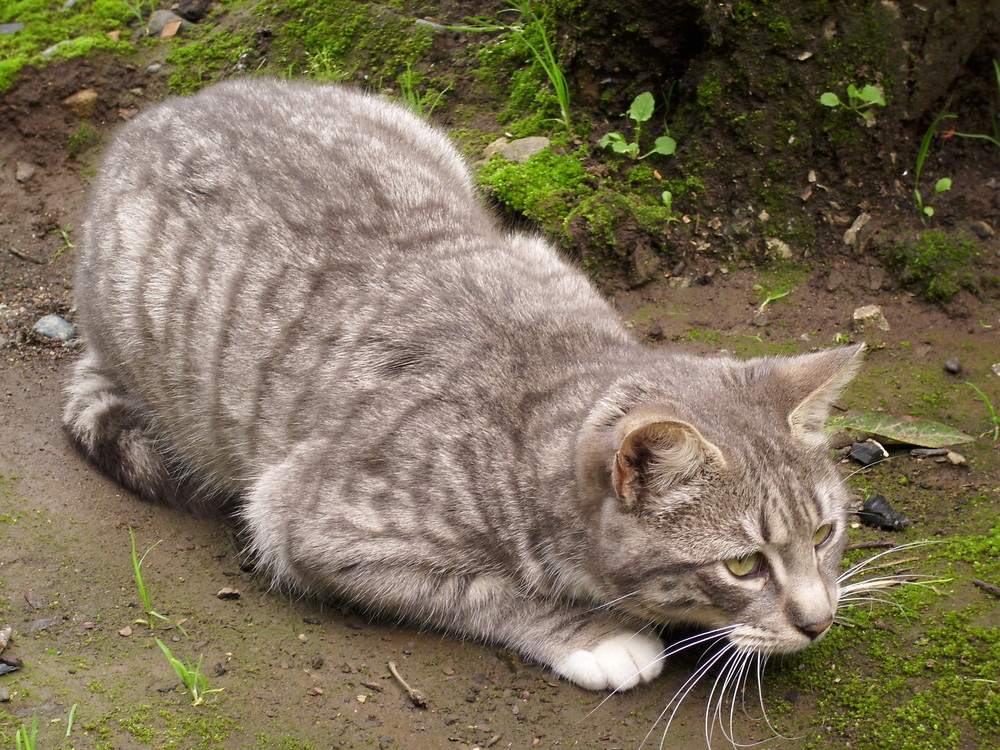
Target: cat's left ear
x,y
815,381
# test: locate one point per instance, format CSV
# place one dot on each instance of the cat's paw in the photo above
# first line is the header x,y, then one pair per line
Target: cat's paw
x,y
618,663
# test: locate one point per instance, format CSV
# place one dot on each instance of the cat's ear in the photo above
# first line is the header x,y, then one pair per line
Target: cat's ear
x,y
815,381
656,456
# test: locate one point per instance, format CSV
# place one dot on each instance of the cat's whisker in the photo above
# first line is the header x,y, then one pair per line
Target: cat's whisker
x,y
612,603
854,473
725,675
859,567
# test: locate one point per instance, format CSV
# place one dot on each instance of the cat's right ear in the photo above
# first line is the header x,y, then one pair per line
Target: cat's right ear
x,y
658,456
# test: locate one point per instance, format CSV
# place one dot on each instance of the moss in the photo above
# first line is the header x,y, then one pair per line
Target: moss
x,y
77,31
81,139
936,264
341,39
202,57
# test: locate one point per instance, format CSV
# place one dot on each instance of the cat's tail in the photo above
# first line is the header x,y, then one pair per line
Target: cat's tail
x,y
105,424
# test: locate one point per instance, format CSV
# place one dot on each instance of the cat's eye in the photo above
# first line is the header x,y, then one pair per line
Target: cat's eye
x,y
823,534
745,566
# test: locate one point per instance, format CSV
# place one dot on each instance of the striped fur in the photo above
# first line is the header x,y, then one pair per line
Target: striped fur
x,y
291,296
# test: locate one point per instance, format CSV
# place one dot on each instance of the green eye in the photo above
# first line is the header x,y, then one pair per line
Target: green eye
x,y
744,566
823,533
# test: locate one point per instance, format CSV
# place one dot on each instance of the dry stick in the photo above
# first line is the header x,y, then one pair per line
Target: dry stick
x,y
870,545
418,698
995,590
25,256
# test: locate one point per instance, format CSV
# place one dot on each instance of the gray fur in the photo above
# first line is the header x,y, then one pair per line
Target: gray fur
x,y
291,296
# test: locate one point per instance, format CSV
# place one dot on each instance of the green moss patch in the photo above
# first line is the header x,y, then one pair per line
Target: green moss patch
x,y
936,264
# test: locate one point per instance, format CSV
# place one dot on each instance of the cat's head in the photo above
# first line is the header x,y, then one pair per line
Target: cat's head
x,y
719,504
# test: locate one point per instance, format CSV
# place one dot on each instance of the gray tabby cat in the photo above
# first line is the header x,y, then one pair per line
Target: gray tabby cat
x,y
293,301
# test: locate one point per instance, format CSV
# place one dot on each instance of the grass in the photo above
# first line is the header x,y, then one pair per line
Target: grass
x,y
25,740
194,681
67,244
147,605
936,264
940,186
424,103
989,407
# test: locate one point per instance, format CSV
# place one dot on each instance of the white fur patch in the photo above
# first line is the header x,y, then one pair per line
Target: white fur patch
x,y
619,663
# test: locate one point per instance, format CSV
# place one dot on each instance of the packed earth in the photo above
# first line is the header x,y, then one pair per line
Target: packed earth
x,y
778,222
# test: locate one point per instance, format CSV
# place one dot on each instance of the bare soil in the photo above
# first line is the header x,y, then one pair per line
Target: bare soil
x,y
297,673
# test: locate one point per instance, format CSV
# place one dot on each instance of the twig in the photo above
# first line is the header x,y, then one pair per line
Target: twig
x,y
870,545
25,256
995,590
418,698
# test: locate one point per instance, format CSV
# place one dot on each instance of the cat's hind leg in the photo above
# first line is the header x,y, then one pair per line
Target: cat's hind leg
x,y
111,429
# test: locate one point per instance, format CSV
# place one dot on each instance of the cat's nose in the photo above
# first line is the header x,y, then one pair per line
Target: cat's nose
x,y
814,630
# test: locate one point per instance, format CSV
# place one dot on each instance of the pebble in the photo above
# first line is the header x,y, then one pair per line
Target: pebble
x,y
43,624
868,452
778,248
25,171
49,51
228,593
55,327
6,668
69,4
868,317
154,68
161,20
193,10
851,235
878,513
522,149
11,28
81,103
953,366
983,230
956,459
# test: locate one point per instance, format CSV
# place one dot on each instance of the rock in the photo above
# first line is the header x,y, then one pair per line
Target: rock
x,y
522,149
81,103
879,514
11,28
869,317
48,52
70,4
7,668
840,440
55,327
955,459
646,262
868,453
25,171
165,24
953,366
778,248
983,230
154,68
193,10
851,235
995,368
834,280
43,624
126,631
228,593
4,695
495,147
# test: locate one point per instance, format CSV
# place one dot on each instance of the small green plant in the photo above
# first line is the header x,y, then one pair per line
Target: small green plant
x,y
81,139
147,605
860,101
941,185
989,407
532,31
69,721
640,111
194,681
770,295
668,202
25,740
424,103
140,8
67,244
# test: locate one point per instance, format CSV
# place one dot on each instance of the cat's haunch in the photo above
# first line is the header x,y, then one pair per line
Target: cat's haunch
x,y
294,302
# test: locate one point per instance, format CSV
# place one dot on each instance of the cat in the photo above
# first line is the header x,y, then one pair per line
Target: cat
x,y
294,305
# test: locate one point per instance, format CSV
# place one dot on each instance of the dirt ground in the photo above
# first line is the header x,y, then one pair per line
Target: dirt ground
x,y
299,674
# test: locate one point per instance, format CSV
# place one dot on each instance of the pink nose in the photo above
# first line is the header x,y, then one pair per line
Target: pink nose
x,y
815,629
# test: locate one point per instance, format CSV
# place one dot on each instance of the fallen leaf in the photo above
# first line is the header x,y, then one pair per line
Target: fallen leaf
x,y
925,433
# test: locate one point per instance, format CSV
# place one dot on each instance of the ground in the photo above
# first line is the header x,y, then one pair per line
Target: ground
x,y
297,673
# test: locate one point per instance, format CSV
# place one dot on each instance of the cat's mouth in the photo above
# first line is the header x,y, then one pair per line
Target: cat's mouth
x,y
749,638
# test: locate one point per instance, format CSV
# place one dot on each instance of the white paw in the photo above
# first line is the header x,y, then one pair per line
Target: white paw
x,y
618,663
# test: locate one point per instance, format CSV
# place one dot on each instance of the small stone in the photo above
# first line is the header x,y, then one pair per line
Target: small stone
x,y
43,624
869,317
81,103
956,459
778,248
35,601
125,632
193,10
70,4
879,514
983,230
834,280
522,149
228,593
11,28
48,52
4,695
851,235
25,171
154,68
166,22
317,691
7,668
995,368
55,327
868,453
495,147
953,366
